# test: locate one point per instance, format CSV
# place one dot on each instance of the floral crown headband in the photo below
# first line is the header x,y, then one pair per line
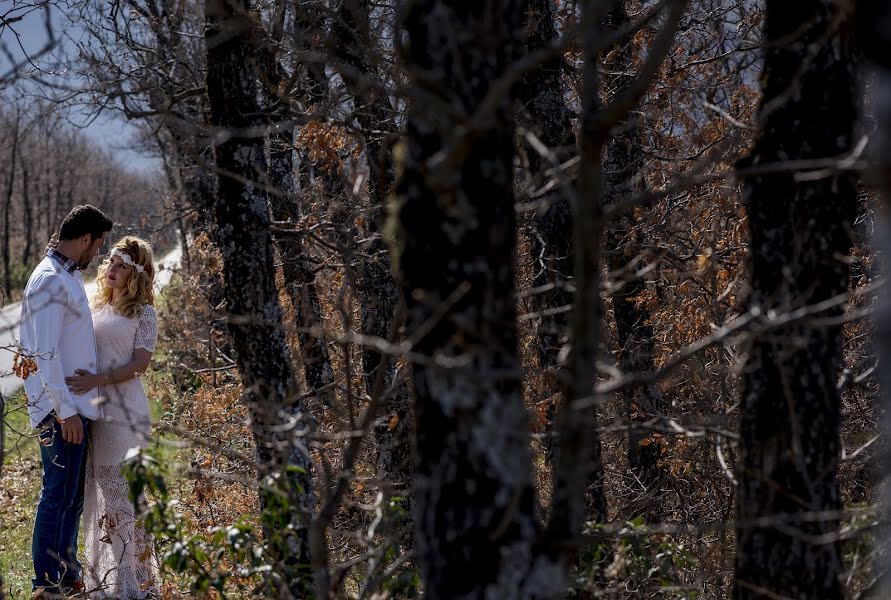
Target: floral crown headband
x,y
127,259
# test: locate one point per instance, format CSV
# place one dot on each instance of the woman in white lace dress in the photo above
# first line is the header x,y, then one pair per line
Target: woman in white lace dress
x,y
119,557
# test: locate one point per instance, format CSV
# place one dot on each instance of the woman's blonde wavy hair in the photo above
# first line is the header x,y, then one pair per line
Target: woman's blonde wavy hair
x,y
139,290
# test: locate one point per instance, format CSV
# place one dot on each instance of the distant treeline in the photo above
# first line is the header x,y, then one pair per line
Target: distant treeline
x,y
47,166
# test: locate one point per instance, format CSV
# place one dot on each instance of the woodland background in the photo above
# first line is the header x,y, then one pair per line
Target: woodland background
x,y
505,299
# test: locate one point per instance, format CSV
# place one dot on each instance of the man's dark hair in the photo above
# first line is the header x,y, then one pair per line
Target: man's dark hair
x,y
84,219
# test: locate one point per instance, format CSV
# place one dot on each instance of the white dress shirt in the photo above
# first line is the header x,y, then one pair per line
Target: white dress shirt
x,y
56,330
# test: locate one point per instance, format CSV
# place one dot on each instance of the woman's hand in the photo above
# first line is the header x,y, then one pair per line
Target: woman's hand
x,y
53,242
83,381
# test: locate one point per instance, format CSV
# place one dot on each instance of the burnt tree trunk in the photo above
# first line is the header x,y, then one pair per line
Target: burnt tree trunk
x,y
353,44
455,228
300,273
635,338
254,323
789,494
578,469
545,112
285,206
378,291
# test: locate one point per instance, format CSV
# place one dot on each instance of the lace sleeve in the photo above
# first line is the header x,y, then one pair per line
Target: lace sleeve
x,y
147,329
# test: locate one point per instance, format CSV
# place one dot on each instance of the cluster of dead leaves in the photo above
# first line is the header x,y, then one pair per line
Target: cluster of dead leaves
x,y
325,143
23,366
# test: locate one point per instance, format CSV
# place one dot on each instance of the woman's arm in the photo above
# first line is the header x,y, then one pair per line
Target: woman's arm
x,y
84,381
136,367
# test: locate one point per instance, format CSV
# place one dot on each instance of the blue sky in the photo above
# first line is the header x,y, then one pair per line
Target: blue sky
x,y
108,130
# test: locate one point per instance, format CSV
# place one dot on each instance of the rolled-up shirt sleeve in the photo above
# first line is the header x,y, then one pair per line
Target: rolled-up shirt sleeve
x,y
46,313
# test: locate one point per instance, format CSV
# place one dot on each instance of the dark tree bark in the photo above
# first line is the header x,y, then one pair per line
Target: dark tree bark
x,y
183,132
545,112
297,269
455,227
181,129
578,472
623,162
285,207
789,494
378,291
578,469
352,46
183,234
316,360
244,240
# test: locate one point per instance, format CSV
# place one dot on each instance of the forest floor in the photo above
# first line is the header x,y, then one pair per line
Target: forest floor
x,y
18,500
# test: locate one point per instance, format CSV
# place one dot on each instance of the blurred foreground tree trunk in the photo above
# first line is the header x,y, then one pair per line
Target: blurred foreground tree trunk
x,y
455,229
789,497
874,37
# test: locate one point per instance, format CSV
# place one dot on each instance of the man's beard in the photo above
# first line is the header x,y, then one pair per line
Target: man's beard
x,y
83,263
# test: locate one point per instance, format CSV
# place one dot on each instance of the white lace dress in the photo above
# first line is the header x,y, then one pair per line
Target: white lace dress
x,y
119,557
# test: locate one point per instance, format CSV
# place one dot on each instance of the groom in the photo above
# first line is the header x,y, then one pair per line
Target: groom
x,y
56,332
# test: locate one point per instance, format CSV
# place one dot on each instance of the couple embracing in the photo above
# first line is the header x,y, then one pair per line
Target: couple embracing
x,y
88,405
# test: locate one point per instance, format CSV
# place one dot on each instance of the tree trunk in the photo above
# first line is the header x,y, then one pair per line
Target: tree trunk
x,y
183,232
7,204
173,171
623,161
373,111
545,112
298,273
378,291
28,248
455,227
789,494
578,470
296,266
244,240
44,199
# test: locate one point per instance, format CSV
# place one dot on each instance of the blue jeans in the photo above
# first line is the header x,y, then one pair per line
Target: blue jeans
x,y
57,524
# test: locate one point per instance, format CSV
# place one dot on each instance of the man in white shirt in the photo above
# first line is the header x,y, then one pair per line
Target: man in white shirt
x,y
56,332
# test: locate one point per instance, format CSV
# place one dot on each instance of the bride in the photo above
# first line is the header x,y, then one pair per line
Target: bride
x,y
119,556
